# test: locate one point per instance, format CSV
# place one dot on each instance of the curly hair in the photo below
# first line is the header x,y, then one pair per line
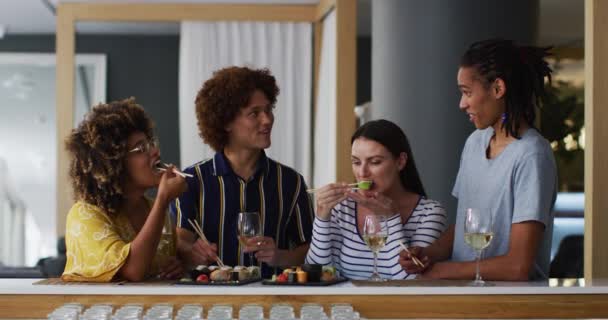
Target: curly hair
x,y
97,149
224,95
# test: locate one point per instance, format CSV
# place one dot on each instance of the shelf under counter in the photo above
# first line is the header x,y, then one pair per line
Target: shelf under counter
x,y
21,298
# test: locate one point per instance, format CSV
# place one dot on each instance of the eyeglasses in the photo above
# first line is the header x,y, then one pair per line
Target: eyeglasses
x,y
145,146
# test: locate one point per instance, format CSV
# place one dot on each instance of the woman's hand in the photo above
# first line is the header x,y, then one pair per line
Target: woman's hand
x,y
265,250
173,269
171,185
328,197
373,201
407,263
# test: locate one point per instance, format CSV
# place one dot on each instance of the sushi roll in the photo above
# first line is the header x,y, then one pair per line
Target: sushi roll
x,y
254,272
200,269
234,276
244,274
220,275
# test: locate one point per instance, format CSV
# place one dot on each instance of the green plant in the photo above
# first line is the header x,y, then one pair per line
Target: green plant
x,y
562,123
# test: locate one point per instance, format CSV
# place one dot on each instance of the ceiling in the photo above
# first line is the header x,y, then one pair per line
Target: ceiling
x,y
560,22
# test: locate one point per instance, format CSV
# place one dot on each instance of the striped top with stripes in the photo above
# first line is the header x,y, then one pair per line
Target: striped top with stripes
x,y
216,194
338,242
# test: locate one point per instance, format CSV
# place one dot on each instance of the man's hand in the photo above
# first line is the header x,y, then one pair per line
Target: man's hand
x,y
265,250
204,252
173,269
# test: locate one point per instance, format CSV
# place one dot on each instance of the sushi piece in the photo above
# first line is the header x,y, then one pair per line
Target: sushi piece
x,y
365,184
244,274
220,275
254,272
302,276
200,269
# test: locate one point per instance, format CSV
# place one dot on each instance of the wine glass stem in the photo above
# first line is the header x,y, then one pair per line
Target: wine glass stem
x,y
477,275
375,263
250,259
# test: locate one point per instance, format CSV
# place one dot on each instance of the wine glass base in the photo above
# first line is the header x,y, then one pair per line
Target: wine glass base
x,y
480,283
376,278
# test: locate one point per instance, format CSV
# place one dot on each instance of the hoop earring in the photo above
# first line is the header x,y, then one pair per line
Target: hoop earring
x,y
503,117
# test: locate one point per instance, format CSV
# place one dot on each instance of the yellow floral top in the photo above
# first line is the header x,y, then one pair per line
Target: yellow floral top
x,y
98,244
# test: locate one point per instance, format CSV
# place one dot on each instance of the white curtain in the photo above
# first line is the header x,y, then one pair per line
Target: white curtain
x,y
325,113
12,221
284,48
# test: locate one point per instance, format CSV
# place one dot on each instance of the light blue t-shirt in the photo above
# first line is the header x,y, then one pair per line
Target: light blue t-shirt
x,y
518,185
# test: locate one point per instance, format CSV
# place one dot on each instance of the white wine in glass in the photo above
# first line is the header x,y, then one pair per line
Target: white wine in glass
x,y
375,233
375,242
478,235
249,226
478,241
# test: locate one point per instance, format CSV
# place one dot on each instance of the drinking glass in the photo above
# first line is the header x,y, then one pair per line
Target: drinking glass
x,y
375,233
251,312
478,234
220,312
249,226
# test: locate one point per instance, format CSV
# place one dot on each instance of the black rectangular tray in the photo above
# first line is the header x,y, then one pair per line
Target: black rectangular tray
x,y
307,284
217,283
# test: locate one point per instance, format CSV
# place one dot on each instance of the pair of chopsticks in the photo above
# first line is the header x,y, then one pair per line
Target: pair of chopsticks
x,y
355,184
183,175
414,258
199,231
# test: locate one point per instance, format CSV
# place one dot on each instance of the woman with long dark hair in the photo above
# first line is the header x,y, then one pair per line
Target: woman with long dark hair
x,y
507,168
381,154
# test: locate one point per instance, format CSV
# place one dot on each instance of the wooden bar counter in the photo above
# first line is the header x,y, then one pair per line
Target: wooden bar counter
x,y
20,298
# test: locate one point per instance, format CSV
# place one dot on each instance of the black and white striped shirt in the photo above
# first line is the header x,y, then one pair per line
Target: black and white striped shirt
x,y
337,242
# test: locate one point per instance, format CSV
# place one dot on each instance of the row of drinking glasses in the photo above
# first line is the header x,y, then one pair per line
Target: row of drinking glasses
x,y
73,311
164,311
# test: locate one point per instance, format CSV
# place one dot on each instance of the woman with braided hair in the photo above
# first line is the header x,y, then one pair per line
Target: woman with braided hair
x,y
507,168
113,231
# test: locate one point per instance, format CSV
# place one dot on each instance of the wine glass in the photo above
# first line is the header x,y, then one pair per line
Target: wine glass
x,y
375,233
478,234
249,225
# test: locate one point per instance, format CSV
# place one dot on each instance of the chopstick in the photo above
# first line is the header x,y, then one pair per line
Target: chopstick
x,y
183,175
414,258
199,231
355,184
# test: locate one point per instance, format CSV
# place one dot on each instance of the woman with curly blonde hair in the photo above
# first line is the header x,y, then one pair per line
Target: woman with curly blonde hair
x,y
113,231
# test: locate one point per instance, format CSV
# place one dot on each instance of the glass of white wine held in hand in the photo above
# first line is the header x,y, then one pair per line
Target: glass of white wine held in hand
x,y
375,233
249,226
478,234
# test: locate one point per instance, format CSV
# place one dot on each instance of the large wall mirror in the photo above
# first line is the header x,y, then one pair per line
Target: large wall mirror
x,y
28,157
74,15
